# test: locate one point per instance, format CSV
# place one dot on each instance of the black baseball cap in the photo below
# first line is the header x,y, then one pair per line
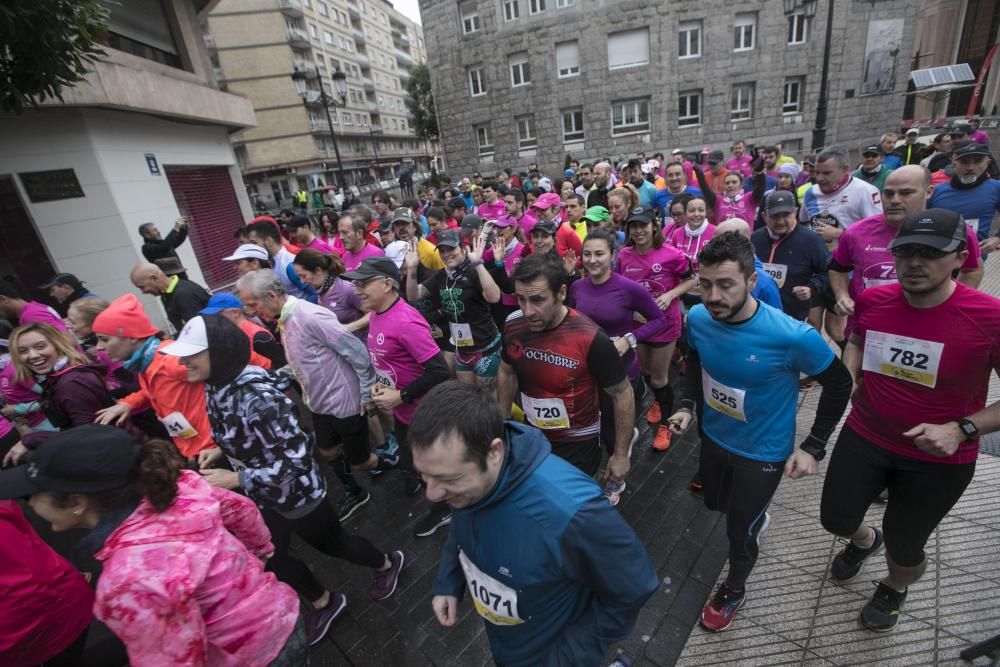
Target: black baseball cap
x,y
62,279
449,238
85,459
471,223
298,220
642,215
970,148
873,149
936,228
961,128
715,157
545,227
779,201
456,202
373,267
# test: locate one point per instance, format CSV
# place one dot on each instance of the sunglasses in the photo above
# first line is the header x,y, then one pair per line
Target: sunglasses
x,y
922,251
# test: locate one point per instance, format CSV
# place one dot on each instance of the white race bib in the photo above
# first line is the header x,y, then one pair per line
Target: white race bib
x,y
545,413
903,358
777,271
384,380
461,334
973,224
727,400
875,282
177,426
494,600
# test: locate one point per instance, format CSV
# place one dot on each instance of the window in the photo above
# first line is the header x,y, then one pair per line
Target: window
x,y
327,37
359,119
572,120
629,116
565,3
798,29
520,70
312,31
381,101
526,132
347,119
689,39
743,32
477,82
321,8
742,102
689,109
484,140
628,49
793,96
470,21
511,10
536,6
402,124
395,125
354,95
568,59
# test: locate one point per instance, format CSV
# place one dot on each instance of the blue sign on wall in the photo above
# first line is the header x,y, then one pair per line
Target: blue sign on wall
x,y
154,168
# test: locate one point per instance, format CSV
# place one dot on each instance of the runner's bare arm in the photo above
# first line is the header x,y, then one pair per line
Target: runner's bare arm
x,y
506,388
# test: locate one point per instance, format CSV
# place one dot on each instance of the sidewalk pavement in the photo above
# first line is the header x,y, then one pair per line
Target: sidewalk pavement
x,y
795,614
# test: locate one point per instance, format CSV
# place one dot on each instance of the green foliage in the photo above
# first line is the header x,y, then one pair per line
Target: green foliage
x,y
420,102
45,46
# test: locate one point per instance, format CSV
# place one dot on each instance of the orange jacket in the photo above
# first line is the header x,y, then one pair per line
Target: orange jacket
x,y
251,329
163,386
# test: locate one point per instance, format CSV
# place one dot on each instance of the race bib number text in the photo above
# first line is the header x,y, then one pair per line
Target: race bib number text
x,y
545,413
494,600
777,271
727,400
461,334
177,426
903,358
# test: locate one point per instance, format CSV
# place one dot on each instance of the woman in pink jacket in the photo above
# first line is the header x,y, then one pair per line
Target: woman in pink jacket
x,y
183,582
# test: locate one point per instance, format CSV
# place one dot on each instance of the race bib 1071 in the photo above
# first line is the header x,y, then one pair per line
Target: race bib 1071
x,y
495,601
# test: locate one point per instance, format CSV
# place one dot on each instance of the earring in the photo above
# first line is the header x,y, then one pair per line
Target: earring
x,y
77,512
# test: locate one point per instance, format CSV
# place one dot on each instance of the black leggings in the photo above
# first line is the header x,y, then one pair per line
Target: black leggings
x,y
742,488
921,493
608,413
321,529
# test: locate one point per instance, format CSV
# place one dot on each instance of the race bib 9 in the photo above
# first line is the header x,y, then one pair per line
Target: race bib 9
x,y
461,334
177,426
545,413
903,358
727,400
495,601
777,271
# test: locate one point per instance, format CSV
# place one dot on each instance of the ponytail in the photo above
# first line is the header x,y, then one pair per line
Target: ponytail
x,y
313,260
156,472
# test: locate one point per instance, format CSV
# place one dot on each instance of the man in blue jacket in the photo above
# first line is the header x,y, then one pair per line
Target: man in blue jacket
x,y
556,573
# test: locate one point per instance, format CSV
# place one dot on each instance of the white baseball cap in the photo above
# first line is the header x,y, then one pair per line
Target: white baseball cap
x,y
248,251
192,340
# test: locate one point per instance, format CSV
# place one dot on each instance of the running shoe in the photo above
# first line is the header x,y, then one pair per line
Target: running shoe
x,y
720,611
412,484
848,562
389,447
318,621
613,491
695,482
882,498
350,502
653,416
882,613
437,517
385,582
661,441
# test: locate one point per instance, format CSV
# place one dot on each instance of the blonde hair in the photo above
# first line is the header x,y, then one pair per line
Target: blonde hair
x,y
60,341
627,193
89,308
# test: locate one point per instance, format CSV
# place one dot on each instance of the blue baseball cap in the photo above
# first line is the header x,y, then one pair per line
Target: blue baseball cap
x,y
220,302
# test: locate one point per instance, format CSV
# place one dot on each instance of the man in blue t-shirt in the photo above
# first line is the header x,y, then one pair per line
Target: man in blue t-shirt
x,y
744,364
971,192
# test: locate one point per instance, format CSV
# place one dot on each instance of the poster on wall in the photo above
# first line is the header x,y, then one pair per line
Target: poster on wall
x,y
885,37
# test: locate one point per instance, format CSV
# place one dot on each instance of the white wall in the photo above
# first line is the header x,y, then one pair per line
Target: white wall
x,y
96,237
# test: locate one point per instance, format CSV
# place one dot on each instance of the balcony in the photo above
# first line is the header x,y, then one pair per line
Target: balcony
x,y
403,40
368,84
374,109
292,8
404,76
362,61
307,68
311,97
319,126
298,38
359,37
353,10
403,58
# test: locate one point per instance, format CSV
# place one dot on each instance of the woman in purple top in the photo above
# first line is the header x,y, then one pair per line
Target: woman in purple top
x,y
322,272
611,300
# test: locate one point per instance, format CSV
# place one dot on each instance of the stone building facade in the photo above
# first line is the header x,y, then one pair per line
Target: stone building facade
x,y
521,81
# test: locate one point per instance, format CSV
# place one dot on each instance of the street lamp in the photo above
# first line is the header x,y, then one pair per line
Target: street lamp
x,y
375,135
340,93
808,8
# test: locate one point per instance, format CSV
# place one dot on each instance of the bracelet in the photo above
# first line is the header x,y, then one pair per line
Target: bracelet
x,y
498,263
476,263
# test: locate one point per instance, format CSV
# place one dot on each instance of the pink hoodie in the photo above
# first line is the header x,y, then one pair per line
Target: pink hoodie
x,y
186,587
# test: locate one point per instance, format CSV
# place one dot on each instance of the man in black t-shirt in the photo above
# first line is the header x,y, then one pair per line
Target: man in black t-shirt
x,y
466,290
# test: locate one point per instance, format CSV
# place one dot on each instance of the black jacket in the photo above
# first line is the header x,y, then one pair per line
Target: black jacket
x,y
184,302
805,258
154,250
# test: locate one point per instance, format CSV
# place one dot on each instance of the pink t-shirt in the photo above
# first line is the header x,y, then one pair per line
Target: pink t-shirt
x,y
510,262
659,270
740,164
690,245
352,260
399,341
35,312
321,245
491,211
924,365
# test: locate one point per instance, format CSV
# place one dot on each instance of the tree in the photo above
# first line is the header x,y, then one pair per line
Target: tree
x,y
47,45
420,102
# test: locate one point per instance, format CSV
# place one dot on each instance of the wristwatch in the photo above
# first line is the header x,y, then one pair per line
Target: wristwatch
x,y
405,397
630,338
814,446
969,430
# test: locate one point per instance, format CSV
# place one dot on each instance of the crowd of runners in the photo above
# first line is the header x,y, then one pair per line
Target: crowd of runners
x,y
507,346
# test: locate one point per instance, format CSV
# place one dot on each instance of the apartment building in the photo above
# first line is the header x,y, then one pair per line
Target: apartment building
x,y
521,81
258,44
143,138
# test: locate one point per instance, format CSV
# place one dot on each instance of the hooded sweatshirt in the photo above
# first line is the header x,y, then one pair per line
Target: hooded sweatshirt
x,y
572,580
255,425
187,586
71,397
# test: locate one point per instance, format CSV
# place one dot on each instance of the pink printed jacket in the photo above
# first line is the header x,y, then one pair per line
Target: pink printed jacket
x,y
187,587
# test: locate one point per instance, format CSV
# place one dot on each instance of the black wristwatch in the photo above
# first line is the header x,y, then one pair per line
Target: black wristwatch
x,y
969,430
813,446
405,397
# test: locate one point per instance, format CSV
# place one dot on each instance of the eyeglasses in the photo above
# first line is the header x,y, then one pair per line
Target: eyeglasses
x,y
922,251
